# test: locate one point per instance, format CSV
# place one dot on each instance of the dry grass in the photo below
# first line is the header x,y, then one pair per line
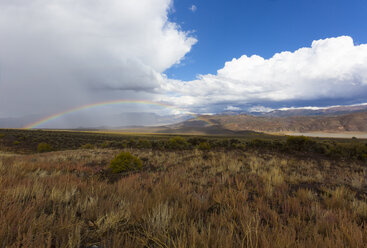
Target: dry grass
x,y
181,199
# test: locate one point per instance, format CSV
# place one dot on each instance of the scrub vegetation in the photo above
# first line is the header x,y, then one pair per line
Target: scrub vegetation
x,y
189,191
125,162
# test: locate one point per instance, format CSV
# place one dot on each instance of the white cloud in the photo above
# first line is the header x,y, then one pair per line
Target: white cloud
x,y
193,8
261,109
330,69
318,108
64,53
232,108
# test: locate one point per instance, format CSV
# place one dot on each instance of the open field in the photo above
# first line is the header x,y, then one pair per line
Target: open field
x,y
26,141
250,191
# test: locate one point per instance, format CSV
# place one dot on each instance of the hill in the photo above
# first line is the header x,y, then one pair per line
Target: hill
x,y
351,122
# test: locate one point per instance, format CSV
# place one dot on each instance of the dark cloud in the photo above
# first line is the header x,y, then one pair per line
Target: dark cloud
x,y
56,55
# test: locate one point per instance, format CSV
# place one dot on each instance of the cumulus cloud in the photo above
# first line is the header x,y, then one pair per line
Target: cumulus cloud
x,y
333,68
59,54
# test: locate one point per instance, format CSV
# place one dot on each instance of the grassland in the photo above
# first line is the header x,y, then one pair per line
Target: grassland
x,y
249,191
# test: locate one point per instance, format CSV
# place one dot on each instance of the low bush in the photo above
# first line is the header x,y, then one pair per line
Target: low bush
x,y
87,146
204,146
195,141
177,143
131,143
348,150
125,162
106,144
142,143
44,147
298,143
259,143
222,143
122,144
158,144
234,141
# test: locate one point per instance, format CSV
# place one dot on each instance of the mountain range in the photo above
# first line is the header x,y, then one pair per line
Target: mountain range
x,y
329,120
337,119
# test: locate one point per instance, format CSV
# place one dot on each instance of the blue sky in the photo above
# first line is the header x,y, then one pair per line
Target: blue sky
x,y
230,29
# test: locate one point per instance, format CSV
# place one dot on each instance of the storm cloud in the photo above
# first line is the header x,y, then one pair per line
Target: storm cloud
x,y
60,54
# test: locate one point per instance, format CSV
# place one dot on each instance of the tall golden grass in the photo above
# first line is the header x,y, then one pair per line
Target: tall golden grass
x,y
181,199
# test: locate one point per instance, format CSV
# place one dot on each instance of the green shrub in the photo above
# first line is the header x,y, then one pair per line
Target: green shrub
x,y
239,146
278,145
142,143
195,141
87,146
220,143
321,148
44,147
299,143
259,143
16,142
124,162
178,143
106,144
114,144
131,142
349,150
158,144
122,144
204,146
2,135
233,142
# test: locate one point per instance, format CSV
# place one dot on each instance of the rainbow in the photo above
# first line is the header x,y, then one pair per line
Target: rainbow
x,y
105,103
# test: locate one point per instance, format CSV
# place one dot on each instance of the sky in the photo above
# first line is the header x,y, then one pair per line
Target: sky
x,y
230,29
195,56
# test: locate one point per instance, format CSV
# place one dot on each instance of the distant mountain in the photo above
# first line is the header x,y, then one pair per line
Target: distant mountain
x,y
305,111
352,122
333,119
337,110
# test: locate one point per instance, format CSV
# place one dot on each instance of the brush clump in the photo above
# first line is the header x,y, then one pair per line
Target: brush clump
x,y
124,162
